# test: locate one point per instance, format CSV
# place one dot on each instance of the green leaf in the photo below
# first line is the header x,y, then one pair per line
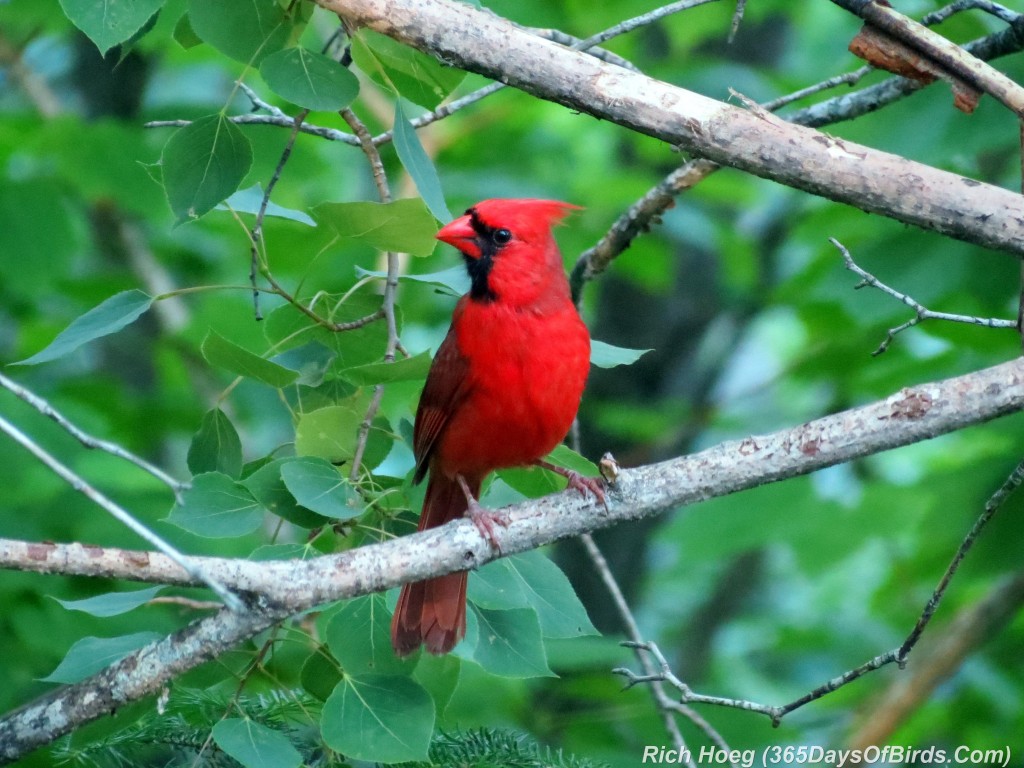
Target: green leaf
x,y
310,362
497,587
109,22
510,643
606,356
217,507
250,200
419,165
268,488
331,433
112,603
310,80
406,369
184,35
418,77
359,635
454,280
320,674
404,226
92,654
440,676
216,446
226,354
566,457
318,486
531,580
255,745
287,328
379,718
203,163
108,317
549,593
245,30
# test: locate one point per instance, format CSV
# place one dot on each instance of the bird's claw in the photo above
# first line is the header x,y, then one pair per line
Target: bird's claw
x,y
586,485
486,520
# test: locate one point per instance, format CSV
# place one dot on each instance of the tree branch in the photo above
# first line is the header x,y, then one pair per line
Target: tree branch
x,y
921,312
751,140
949,56
288,587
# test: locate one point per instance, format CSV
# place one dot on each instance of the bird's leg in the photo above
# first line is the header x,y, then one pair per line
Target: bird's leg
x,y
577,481
484,519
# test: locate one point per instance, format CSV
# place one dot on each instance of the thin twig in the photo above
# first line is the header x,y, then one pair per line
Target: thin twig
x,y
256,234
992,506
897,655
643,20
390,288
88,440
661,700
280,121
848,78
119,513
737,19
921,313
186,602
997,10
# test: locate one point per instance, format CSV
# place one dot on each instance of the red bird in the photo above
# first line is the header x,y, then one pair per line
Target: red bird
x,y
502,391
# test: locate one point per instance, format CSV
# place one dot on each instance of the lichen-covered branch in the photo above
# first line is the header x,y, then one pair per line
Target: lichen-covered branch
x,y
749,139
283,588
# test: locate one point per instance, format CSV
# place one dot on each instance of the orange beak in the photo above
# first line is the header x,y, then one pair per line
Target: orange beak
x,y
460,233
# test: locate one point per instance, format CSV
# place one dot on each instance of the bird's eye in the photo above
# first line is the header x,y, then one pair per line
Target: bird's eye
x,y
501,236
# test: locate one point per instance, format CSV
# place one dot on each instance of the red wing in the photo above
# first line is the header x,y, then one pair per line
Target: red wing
x,y
445,388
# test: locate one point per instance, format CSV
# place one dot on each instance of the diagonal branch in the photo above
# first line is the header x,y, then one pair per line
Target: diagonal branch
x,y
288,587
751,140
936,48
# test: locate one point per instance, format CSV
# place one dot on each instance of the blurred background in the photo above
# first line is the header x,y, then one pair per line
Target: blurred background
x,y
752,322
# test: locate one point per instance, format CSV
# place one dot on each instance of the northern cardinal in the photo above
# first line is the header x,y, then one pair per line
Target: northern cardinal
x,y
502,391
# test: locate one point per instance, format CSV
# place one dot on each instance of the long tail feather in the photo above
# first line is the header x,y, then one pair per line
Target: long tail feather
x,y
432,613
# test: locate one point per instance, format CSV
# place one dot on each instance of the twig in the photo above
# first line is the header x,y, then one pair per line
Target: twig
x,y
897,655
256,234
287,587
661,700
997,10
331,134
921,313
737,18
992,506
686,694
258,103
185,602
643,20
120,514
390,288
971,627
88,440
848,78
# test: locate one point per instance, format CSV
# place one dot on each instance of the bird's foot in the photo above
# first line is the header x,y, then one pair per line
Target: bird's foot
x,y
486,520
578,482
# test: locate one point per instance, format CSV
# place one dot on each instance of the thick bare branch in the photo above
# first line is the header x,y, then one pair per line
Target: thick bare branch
x,y
750,140
288,587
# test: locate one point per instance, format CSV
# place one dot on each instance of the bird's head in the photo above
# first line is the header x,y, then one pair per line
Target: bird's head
x,y
509,249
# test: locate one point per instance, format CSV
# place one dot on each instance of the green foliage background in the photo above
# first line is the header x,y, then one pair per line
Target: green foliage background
x,y
752,320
